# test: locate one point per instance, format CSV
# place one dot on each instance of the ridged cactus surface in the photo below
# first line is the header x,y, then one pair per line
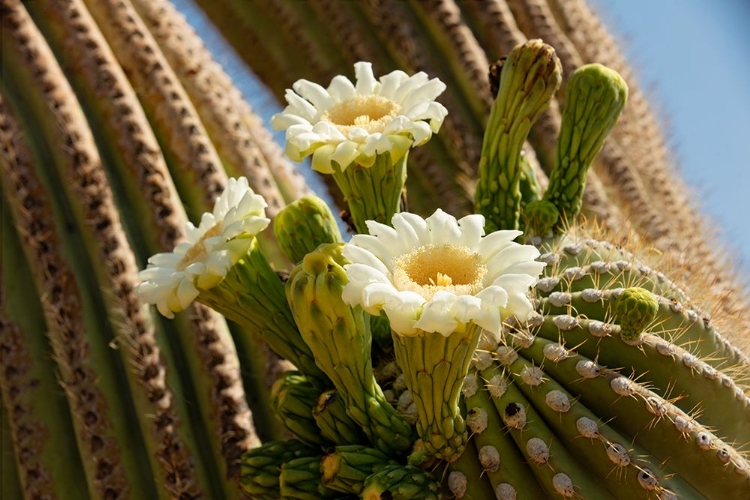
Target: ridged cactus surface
x,y
117,127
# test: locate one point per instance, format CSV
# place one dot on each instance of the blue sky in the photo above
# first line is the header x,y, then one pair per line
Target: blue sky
x,y
691,57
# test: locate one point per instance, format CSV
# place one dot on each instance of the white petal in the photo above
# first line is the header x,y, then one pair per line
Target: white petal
x,y
409,86
317,95
282,121
495,242
365,79
427,92
418,224
436,315
345,153
376,295
472,230
443,228
510,255
375,246
299,106
360,255
494,295
403,311
406,232
388,237
514,283
341,88
391,82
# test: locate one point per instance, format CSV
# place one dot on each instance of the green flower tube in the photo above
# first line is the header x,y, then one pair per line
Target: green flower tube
x,y
303,225
340,339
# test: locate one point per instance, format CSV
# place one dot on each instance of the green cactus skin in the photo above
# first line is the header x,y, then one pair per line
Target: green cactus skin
x,y
340,339
335,425
401,482
303,225
373,192
261,467
434,367
594,99
293,398
301,479
346,468
531,76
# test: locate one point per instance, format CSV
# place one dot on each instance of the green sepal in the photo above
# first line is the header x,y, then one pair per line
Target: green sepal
x,y
260,468
301,479
302,226
293,398
252,295
434,367
335,425
373,192
346,468
340,339
401,482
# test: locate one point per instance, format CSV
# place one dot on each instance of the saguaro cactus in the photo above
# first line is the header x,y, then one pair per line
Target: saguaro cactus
x,y
418,376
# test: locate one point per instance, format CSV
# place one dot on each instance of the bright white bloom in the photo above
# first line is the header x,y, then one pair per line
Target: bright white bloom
x,y
437,273
347,122
172,280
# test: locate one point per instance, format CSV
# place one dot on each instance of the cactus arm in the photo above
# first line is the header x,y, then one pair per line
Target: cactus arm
x,y
699,457
548,463
595,97
609,455
82,361
512,470
340,339
657,361
87,197
40,424
192,158
473,481
530,77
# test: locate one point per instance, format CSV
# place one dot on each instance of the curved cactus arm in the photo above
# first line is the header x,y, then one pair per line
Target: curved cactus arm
x,y
694,384
340,339
301,479
530,77
293,398
595,97
261,467
709,465
39,425
556,470
510,472
605,453
346,468
192,158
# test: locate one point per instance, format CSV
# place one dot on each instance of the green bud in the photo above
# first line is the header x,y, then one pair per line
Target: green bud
x,y
293,397
347,467
540,217
530,77
401,482
260,467
594,99
304,225
335,425
635,309
300,479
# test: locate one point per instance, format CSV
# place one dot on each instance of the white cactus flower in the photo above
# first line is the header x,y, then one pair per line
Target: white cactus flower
x,y
439,274
349,122
173,280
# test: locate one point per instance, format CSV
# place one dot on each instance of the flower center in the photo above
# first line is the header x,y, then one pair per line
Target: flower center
x,y
370,112
431,268
198,250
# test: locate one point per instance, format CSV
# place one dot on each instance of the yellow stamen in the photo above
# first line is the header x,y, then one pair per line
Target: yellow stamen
x,y
370,112
198,250
431,268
